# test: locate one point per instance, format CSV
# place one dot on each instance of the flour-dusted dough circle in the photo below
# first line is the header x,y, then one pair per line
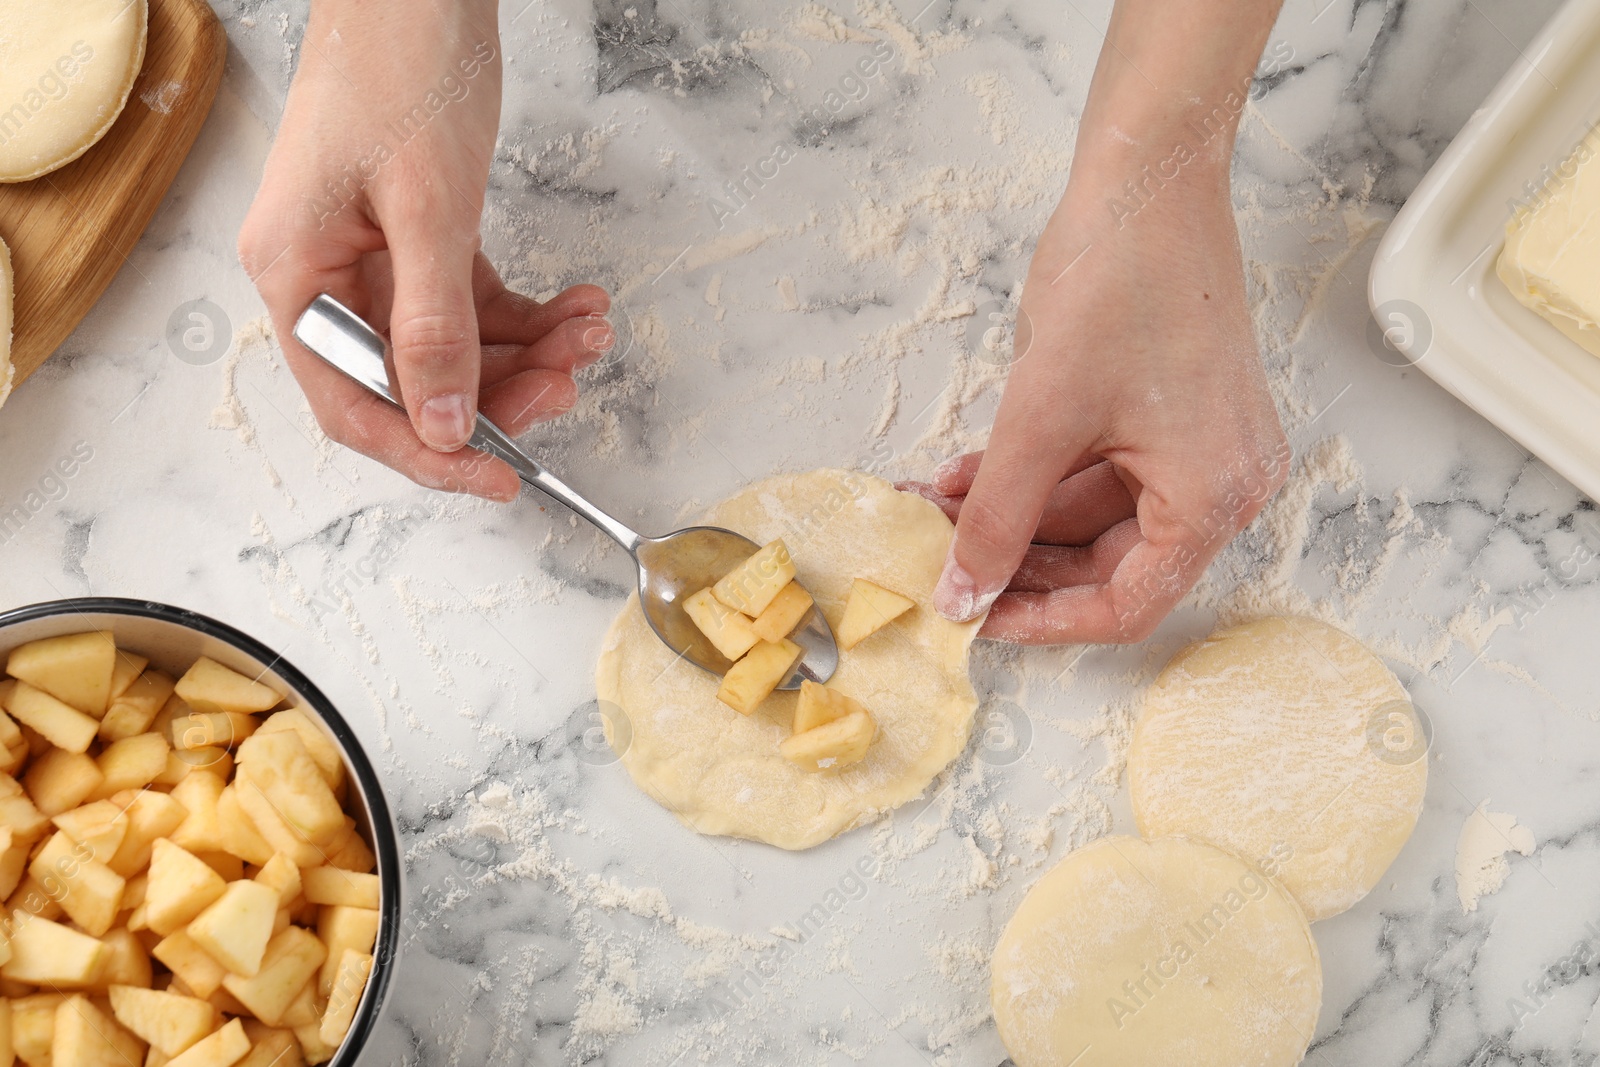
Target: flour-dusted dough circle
x,y
719,771
66,69
1131,953
1267,740
8,373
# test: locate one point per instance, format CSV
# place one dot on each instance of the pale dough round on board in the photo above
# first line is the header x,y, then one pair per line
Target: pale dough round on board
x,y
720,772
1276,740
66,69
8,373
1133,953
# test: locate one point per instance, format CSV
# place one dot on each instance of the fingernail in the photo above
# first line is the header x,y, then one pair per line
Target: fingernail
x,y
446,422
957,597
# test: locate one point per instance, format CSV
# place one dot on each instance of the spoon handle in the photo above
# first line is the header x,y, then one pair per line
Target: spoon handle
x,y
341,339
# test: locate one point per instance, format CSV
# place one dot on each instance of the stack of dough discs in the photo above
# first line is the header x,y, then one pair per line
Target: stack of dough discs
x,y
1166,953
721,772
1275,741
7,371
66,69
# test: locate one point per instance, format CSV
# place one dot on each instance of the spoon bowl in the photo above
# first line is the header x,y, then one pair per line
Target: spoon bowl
x,y
671,568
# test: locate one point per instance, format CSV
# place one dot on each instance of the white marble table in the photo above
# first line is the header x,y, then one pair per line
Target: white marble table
x,y
561,917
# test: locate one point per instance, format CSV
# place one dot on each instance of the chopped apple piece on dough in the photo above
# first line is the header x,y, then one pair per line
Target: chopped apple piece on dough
x,y
820,705
235,930
725,628
209,686
784,613
75,669
752,679
168,1021
835,744
753,584
870,608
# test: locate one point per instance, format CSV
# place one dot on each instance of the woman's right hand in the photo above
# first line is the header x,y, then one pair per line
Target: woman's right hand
x,y
373,193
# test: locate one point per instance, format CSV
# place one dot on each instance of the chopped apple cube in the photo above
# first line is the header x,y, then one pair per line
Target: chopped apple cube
x,y
319,745
728,630
753,584
235,930
254,803
75,669
218,761
752,679
239,833
86,1037
306,1009
123,961
341,927
222,1049
56,721
47,953
18,812
282,876
135,710
209,686
832,745
150,815
128,668
201,974
101,827
784,613
59,780
201,830
279,765
819,705
211,729
349,852
314,1048
88,891
33,1027
348,985
330,885
131,763
870,608
30,898
170,1022
13,860
181,886
271,1048
291,960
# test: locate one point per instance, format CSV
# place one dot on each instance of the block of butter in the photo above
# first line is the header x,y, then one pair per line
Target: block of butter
x,y
1551,261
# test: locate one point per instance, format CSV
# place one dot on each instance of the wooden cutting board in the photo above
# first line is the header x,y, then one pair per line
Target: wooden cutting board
x,y
71,230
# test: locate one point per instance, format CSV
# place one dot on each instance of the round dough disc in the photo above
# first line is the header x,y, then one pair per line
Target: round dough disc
x,y
1274,740
1160,952
7,371
720,772
66,69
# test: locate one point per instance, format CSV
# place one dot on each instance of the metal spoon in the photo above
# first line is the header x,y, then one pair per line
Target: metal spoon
x,y
671,568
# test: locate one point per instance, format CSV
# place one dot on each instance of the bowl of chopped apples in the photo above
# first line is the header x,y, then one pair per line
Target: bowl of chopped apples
x,y
198,865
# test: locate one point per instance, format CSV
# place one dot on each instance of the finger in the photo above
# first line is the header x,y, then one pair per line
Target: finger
x,y
954,476
1049,567
567,348
532,396
383,432
1017,474
434,323
507,317
1085,506
1145,586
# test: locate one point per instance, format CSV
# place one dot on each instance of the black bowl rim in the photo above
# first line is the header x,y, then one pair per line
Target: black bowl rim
x,y
384,844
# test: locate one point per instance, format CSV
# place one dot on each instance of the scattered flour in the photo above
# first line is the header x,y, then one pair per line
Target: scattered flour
x,y
1481,867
